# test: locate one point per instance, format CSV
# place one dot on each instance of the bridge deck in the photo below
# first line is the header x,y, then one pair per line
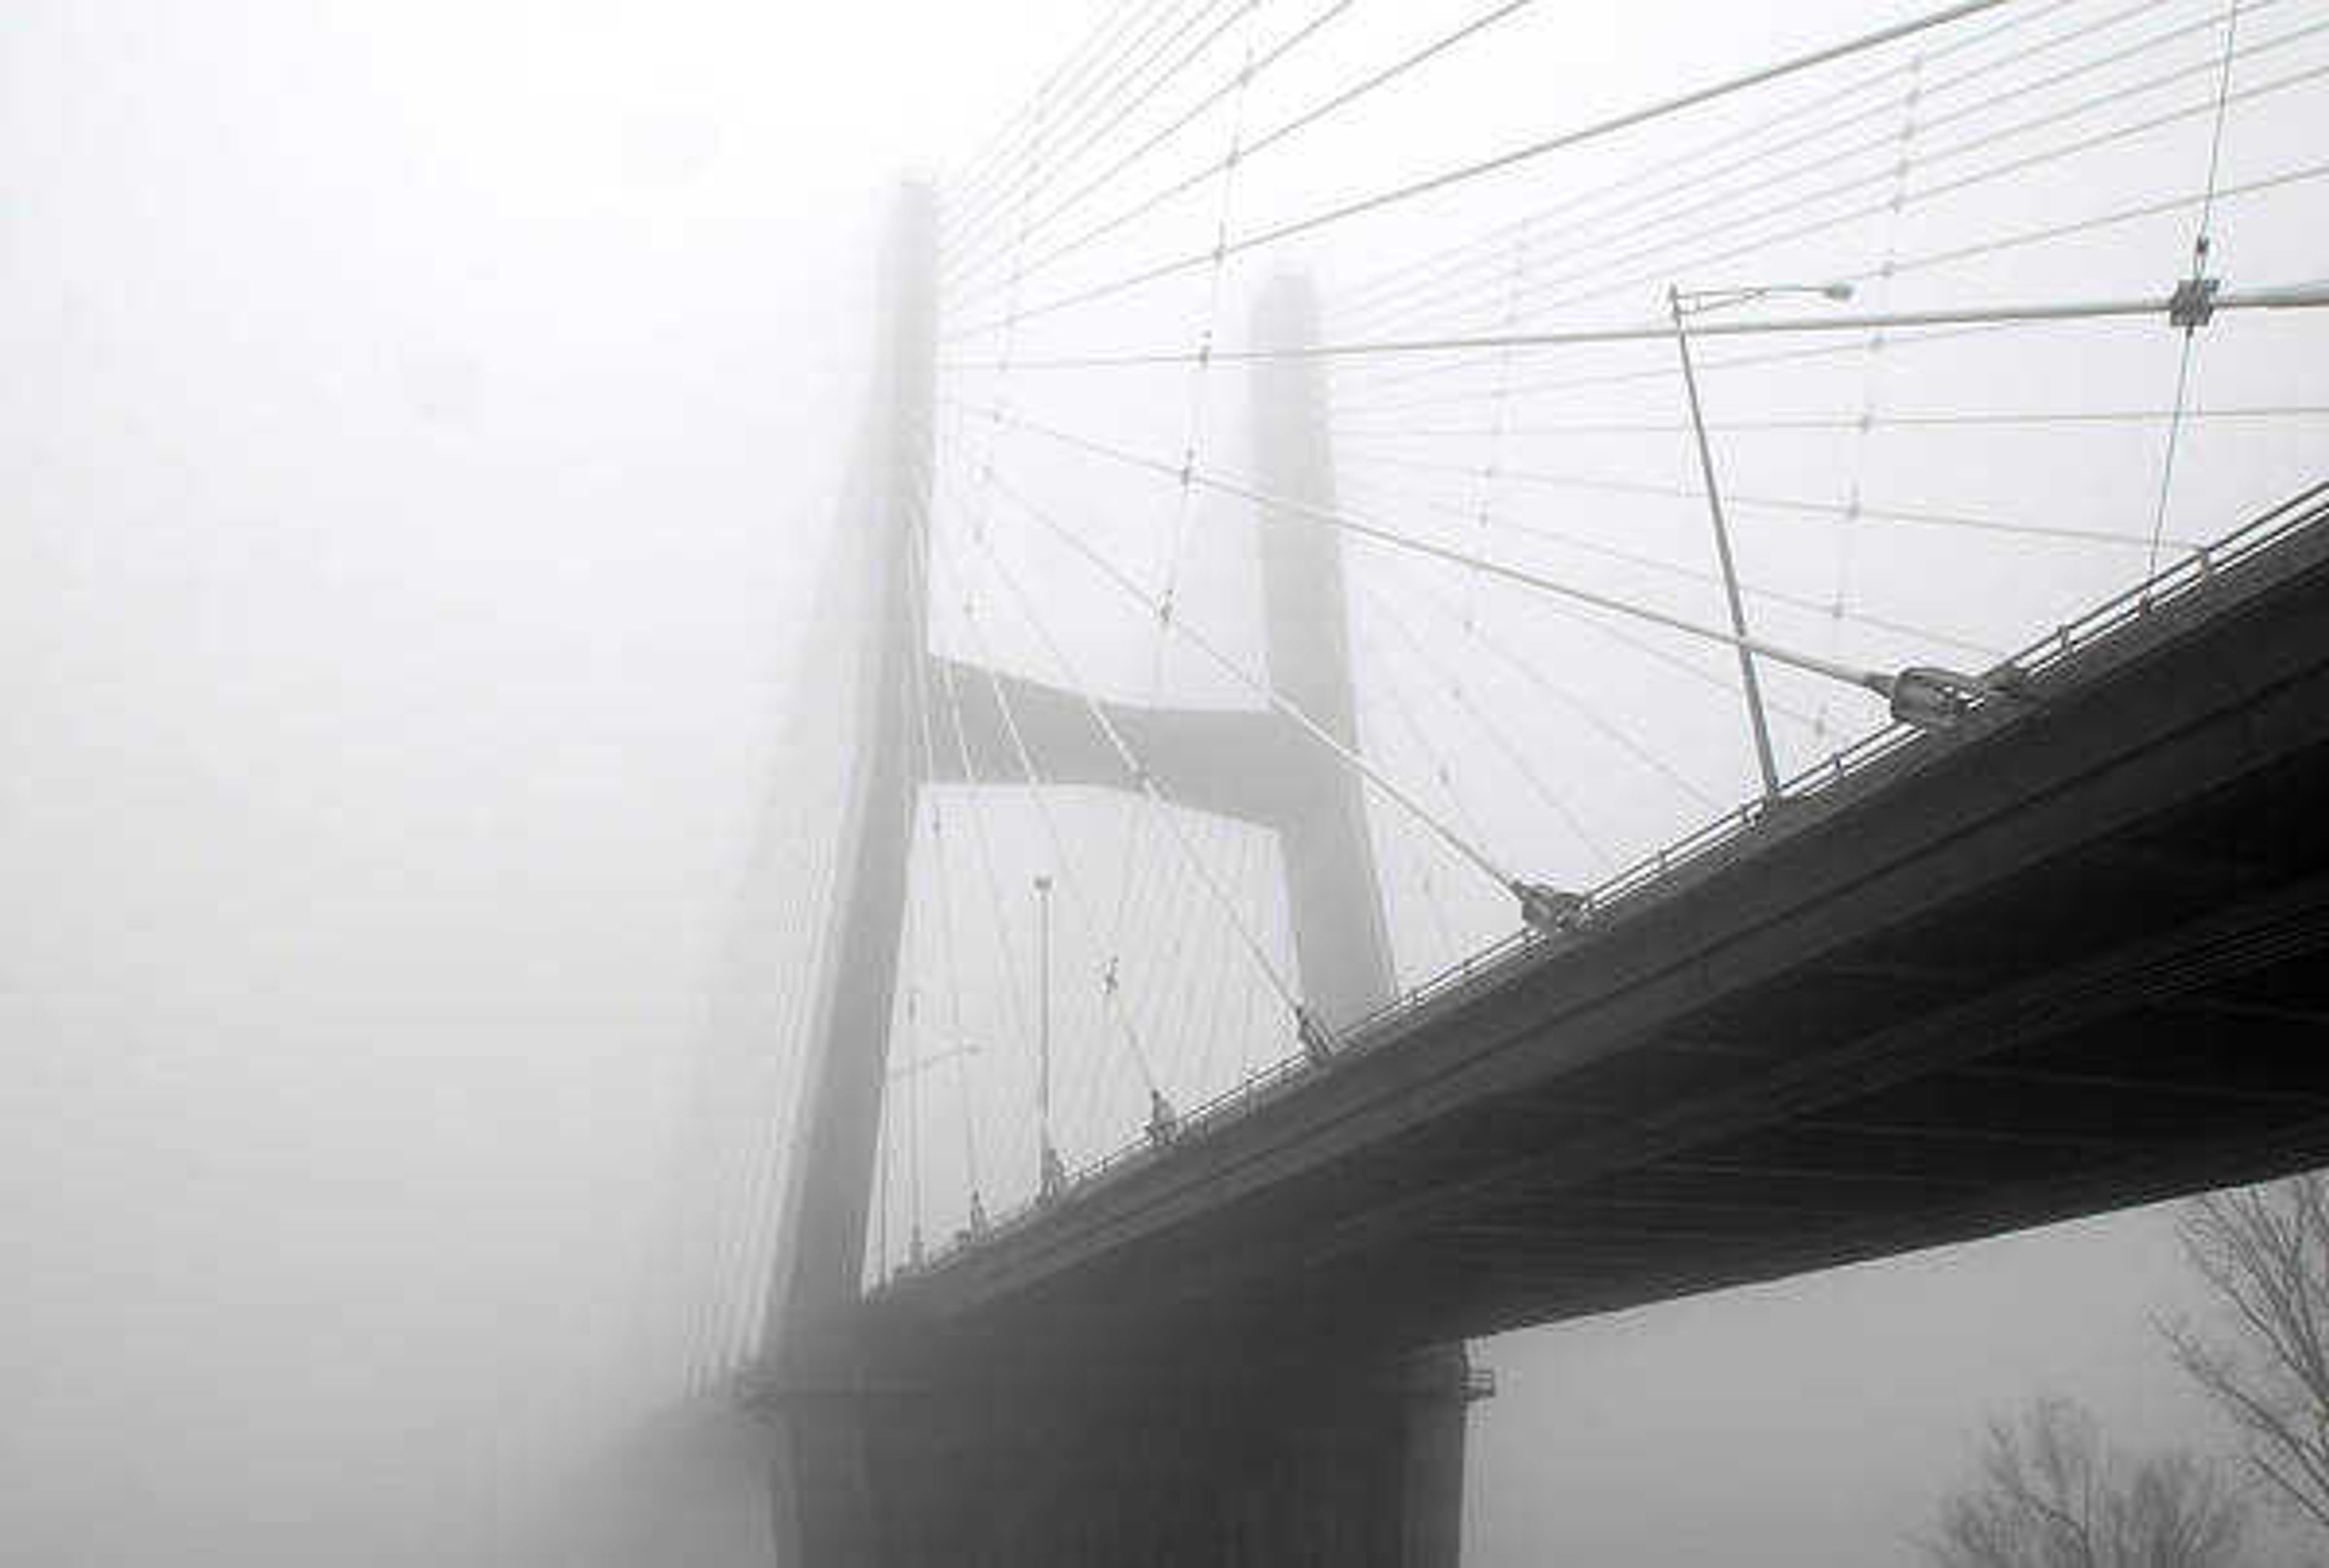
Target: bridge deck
x,y
2063,959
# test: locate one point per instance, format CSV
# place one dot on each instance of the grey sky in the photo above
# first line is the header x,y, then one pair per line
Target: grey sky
x,y
421,426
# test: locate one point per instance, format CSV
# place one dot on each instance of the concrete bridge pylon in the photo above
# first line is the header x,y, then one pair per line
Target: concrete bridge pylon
x,y
886,1460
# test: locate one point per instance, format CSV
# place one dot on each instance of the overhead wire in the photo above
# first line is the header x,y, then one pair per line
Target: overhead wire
x,y
1176,544
1830,157
1235,85
1462,173
1431,269
968,259
982,167
913,1079
1176,1008
1069,882
2200,242
1667,371
1339,99
1798,505
1417,851
1064,122
1163,937
999,923
1888,206
1309,514
1487,487
1208,1032
1030,776
959,1037
1922,195
1388,694
1532,672
1497,738
1262,690
1719,678
1433,758
746,1174
1800,423
1141,778
1182,934
2297,296
2302,173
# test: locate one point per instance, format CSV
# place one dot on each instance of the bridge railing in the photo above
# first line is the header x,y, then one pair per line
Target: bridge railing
x,y
2307,509
1490,967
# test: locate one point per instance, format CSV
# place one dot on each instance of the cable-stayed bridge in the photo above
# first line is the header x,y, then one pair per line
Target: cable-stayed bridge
x,y
1429,716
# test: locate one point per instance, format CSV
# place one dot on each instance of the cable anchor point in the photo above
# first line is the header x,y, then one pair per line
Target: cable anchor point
x,y
1926,697
1554,911
1317,1044
2192,305
1163,1122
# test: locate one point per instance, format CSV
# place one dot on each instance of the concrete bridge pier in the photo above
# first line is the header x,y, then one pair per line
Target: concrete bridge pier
x,y
898,1450
1346,1466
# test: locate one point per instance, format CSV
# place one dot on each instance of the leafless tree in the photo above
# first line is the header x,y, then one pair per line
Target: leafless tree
x,y
2048,1493
2264,1253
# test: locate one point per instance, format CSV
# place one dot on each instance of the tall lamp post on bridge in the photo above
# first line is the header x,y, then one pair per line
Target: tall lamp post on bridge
x,y
1051,1177
1683,303
910,1077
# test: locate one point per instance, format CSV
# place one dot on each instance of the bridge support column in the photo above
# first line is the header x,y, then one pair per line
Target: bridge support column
x,y
1349,1459
1335,900
1344,1464
1442,1385
821,1491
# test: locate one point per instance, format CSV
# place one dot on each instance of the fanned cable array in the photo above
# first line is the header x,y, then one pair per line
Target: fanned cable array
x,y
1660,443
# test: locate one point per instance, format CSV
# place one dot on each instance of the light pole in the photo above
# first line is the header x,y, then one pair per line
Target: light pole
x,y
1683,306
912,1074
910,1077
1051,1177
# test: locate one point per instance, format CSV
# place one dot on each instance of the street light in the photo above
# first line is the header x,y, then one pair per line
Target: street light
x,y
1697,302
1051,1175
962,1052
909,1075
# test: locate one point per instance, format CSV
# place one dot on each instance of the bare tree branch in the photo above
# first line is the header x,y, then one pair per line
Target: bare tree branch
x,y
2264,1256
2047,1494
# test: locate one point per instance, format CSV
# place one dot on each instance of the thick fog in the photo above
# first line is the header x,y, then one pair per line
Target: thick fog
x,y
419,422
422,427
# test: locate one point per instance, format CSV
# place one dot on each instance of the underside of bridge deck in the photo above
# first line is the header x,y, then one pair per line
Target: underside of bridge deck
x,y
2122,1024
